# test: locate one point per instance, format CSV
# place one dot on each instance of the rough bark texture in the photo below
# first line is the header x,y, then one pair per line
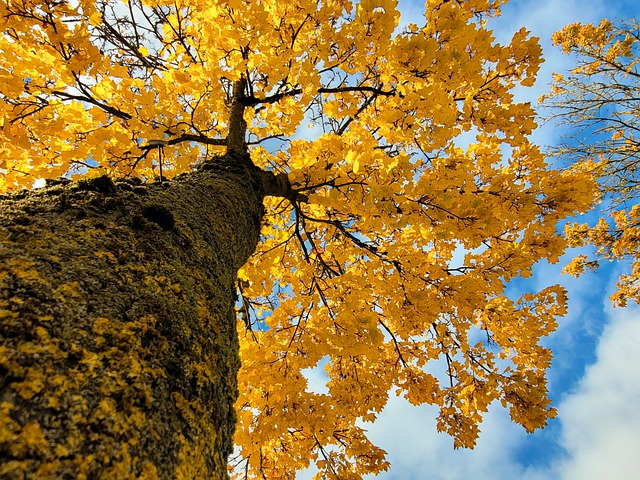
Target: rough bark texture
x,y
118,348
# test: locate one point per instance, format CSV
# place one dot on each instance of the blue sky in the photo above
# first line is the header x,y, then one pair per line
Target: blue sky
x,y
595,377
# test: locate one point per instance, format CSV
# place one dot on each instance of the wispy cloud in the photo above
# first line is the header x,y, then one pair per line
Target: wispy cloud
x,y
600,420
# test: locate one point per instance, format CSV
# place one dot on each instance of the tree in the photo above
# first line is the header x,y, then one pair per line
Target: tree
x,y
599,99
384,245
119,353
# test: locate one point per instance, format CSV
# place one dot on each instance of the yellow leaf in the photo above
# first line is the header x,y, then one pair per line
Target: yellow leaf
x,y
95,19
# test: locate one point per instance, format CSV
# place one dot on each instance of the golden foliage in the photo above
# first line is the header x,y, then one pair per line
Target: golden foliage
x,y
391,276
617,239
599,99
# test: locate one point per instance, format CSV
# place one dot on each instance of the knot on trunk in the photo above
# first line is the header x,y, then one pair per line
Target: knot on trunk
x,y
278,185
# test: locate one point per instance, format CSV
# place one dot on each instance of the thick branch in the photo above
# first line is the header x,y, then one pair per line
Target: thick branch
x,y
186,137
88,99
237,125
279,186
249,101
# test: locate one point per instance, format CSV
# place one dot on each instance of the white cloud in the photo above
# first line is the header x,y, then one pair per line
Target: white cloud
x,y
601,420
417,452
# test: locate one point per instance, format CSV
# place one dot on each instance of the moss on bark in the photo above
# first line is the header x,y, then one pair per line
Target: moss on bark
x,y
118,349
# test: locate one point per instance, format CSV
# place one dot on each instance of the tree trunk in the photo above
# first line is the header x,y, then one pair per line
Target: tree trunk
x,y
119,352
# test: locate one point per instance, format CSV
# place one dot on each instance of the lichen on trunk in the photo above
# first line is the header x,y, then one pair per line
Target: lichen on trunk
x,y
118,349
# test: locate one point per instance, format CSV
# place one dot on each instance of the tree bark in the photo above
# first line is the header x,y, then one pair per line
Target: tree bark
x,y
118,348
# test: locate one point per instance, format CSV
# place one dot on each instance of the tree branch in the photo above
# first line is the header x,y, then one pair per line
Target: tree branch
x,y
250,101
237,125
187,137
85,98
